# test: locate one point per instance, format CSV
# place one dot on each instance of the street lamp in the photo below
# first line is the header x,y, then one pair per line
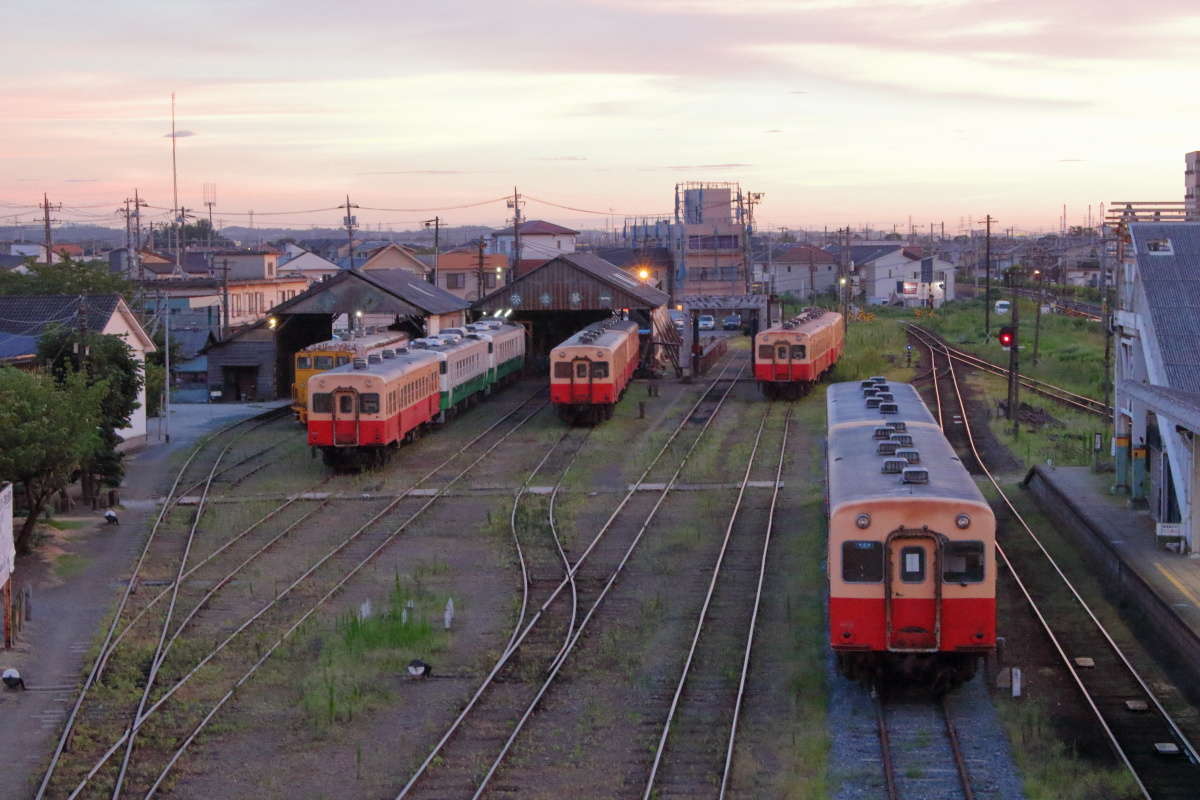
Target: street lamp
x,y
644,274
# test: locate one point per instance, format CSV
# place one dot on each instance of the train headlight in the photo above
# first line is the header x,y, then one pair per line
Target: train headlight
x,y
962,521
863,520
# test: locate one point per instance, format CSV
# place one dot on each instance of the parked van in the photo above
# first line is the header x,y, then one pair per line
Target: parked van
x,y
1003,307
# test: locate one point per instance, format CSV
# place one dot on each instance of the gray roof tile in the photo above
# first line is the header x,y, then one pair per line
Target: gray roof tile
x,y
1171,281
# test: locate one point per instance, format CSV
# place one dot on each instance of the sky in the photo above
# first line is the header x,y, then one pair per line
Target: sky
x,y
841,112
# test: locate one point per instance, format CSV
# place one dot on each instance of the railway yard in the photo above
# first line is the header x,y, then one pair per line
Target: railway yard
x,y
513,606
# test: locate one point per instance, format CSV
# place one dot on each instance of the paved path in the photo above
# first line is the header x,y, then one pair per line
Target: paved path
x,y
1175,578
76,578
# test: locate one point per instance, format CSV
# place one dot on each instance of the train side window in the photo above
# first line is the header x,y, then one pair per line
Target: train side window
x,y
798,351
324,362
581,369
599,369
963,562
368,403
303,362
562,369
912,564
322,403
765,351
862,562
345,404
343,360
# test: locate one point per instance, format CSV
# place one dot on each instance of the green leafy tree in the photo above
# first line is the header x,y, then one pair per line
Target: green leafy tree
x,y
68,277
102,360
194,233
47,429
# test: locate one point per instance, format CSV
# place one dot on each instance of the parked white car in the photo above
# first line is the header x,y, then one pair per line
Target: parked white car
x,y
707,322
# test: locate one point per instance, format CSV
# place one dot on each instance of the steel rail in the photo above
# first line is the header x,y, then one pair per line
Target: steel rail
x,y
102,655
1058,646
700,619
762,572
567,581
960,763
212,654
562,554
885,747
557,667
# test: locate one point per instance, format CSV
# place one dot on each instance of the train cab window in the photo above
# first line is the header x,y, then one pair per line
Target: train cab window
x,y
798,351
343,360
765,351
581,369
599,369
562,369
912,564
783,352
324,362
322,403
862,562
368,403
962,562
303,362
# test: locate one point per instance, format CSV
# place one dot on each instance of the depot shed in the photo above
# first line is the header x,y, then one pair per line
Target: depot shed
x,y
567,293
256,362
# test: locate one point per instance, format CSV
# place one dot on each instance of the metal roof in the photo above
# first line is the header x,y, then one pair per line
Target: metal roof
x,y
1170,279
23,318
1182,407
844,403
865,253
574,281
611,332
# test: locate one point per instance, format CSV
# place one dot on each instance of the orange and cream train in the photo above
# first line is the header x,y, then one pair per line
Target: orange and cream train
x,y
912,566
789,358
591,370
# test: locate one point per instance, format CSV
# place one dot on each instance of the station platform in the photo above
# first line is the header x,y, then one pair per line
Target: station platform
x,y
1162,585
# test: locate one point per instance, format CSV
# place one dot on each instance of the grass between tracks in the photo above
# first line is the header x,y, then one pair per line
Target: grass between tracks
x,y
1070,349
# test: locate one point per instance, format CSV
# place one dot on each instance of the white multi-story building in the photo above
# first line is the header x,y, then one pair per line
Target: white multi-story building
x,y
539,240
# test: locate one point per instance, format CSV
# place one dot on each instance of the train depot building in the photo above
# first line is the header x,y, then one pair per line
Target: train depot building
x,y
567,293
1157,378
256,362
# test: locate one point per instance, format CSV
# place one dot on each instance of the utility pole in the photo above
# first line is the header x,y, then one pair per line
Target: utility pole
x,y
175,189
987,271
437,227
125,213
479,273
46,209
350,222
210,200
752,199
181,236
812,274
1014,385
843,280
515,205
1037,323
1106,306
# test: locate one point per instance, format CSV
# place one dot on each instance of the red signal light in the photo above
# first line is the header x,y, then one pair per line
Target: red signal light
x,y
1007,336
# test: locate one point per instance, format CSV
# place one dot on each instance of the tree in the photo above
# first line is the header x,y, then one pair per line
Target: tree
x,y
47,429
67,277
101,360
199,232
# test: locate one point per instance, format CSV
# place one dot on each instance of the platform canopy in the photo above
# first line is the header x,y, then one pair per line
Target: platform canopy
x,y
573,282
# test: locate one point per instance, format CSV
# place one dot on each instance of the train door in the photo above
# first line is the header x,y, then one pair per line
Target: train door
x,y
913,590
782,360
581,380
345,417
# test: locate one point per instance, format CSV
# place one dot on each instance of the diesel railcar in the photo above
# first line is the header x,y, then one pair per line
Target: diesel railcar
x,y
791,357
316,358
590,371
911,559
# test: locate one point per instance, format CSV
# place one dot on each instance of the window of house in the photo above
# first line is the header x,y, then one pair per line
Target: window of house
x,y
489,280
456,280
862,562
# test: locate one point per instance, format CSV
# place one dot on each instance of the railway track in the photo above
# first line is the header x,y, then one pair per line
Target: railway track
x,y
1071,399
696,748
1143,736
366,539
930,762
493,718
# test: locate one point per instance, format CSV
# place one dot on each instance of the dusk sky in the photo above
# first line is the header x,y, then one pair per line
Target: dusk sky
x,y
840,111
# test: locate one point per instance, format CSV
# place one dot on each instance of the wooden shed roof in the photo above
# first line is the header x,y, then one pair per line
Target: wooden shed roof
x,y
573,282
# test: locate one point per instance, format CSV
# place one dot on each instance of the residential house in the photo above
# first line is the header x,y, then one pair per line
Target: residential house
x,y
890,273
35,251
16,264
800,270
389,256
23,318
540,240
295,259
462,271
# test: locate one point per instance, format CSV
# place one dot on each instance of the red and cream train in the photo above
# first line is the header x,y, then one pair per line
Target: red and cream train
x,y
591,370
789,358
912,566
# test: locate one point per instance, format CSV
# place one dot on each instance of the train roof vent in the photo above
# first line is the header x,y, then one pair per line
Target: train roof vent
x,y
883,387
897,425
886,397
915,475
360,363
893,466
373,358
909,454
873,402
451,331
883,433
878,379
905,439
867,384
887,447
388,353
419,344
870,391
401,350
887,408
